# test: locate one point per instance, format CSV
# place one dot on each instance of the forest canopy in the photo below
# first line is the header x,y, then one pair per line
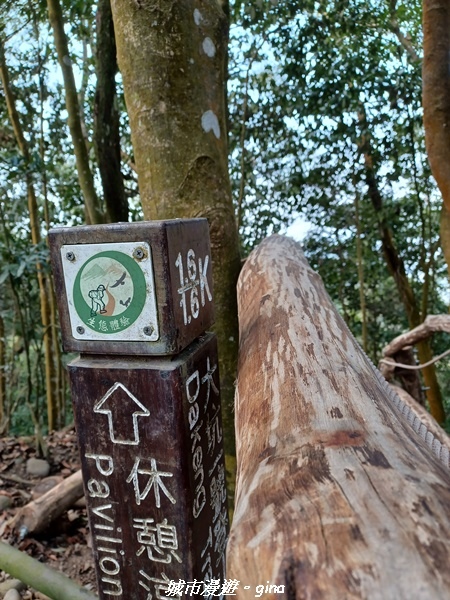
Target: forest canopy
x,y
325,128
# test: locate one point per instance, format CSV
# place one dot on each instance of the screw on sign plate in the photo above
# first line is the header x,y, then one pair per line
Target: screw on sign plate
x,y
149,330
139,253
80,330
70,256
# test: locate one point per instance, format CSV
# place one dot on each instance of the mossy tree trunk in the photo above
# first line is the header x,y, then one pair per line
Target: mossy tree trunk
x,y
172,56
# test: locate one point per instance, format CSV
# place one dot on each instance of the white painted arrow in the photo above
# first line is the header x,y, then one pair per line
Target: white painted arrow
x,y
106,408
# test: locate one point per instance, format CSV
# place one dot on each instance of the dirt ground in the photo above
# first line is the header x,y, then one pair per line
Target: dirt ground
x,y
65,545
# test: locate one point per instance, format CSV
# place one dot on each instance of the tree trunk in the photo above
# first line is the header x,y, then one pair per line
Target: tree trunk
x,y
409,379
436,103
172,58
360,263
85,176
337,496
445,234
397,269
2,377
106,117
35,227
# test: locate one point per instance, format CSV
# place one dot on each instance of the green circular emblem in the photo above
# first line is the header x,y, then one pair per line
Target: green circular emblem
x,y
109,292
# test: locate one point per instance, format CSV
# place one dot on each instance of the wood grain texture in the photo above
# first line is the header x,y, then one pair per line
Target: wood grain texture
x,y
337,496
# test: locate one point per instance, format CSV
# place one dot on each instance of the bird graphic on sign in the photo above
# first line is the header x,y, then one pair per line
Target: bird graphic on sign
x,y
126,303
121,280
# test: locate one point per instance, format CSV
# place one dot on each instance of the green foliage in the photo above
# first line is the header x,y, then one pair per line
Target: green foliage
x,y
19,307
307,74
302,75
36,83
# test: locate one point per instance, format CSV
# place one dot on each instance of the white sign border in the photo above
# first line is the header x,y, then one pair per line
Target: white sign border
x,y
149,315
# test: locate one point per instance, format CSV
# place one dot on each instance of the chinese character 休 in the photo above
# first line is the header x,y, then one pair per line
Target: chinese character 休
x,y
154,481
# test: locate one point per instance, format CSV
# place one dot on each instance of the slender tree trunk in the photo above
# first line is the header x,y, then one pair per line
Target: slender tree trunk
x,y
360,262
85,176
56,366
25,331
106,117
44,291
396,268
172,56
445,234
2,374
436,103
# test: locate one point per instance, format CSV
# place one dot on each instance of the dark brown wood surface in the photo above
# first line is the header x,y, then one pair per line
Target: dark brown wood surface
x,y
342,492
151,447
180,250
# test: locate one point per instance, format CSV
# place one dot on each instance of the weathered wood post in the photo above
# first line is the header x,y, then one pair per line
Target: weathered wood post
x,y
135,300
343,492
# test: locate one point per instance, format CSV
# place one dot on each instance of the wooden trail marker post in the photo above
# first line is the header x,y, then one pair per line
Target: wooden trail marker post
x,y
135,300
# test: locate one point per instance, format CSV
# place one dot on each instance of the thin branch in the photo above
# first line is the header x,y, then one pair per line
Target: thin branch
x,y
243,132
394,364
404,40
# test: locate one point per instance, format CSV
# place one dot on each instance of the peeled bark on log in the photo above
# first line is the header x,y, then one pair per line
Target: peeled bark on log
x,y
337,496
37,515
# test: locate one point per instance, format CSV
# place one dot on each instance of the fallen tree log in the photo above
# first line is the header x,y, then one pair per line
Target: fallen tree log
x,y
37,515
342,491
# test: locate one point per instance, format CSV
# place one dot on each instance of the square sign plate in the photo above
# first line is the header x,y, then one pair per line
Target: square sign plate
x,y
110,291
